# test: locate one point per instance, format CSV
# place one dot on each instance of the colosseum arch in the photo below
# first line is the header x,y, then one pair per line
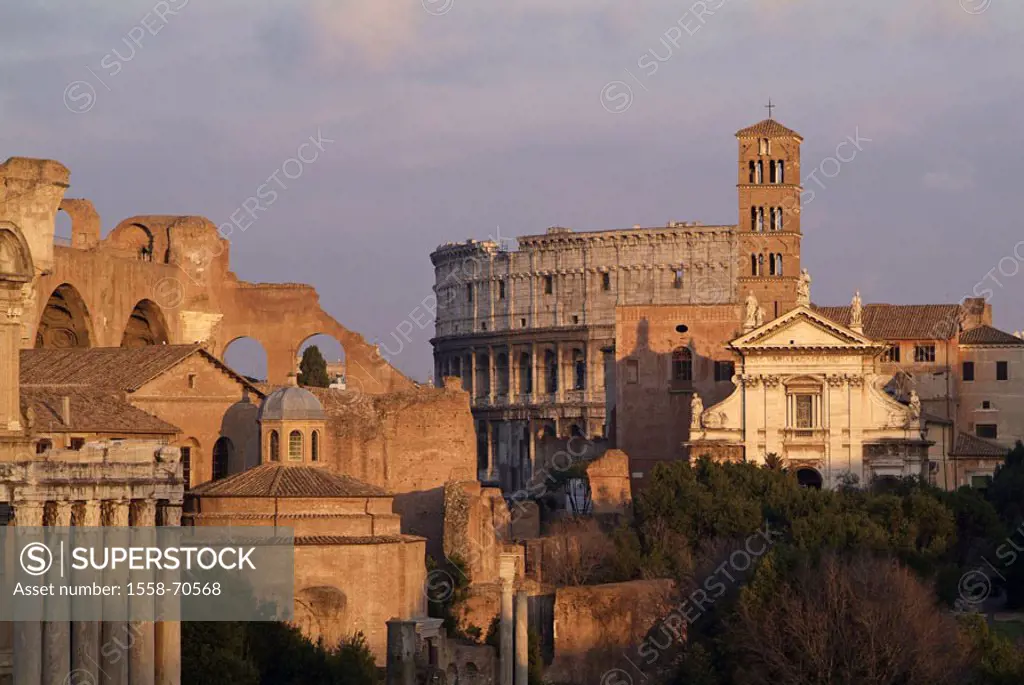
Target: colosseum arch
x,y
146,326
65,321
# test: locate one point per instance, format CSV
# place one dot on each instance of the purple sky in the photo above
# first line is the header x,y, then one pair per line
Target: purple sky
x,y
455,119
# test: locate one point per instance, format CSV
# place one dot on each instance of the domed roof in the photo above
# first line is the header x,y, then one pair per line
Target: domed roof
x,y
291,403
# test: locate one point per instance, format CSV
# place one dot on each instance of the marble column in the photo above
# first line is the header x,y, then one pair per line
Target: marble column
x,y
114,634
85,635
506,633
57,634
28,635
168,633
522,666
142,651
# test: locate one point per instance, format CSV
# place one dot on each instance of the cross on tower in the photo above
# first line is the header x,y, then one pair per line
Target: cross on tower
x,y
770,107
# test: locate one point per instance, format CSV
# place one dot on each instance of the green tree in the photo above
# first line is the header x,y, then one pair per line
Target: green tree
x,y
313,368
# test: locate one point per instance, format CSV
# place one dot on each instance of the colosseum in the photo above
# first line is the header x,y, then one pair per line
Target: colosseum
x,y
531,331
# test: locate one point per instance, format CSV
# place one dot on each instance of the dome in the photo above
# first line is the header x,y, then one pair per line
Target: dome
x,y
291,403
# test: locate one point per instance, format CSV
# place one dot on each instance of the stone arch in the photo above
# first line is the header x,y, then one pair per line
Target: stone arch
x,y
320,612
274,445
65,321
135,238
333,352
223,454
146,326
809,477
15,257
248,356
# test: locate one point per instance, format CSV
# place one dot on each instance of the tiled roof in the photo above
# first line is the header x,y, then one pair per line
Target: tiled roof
x,y
986,335
115,368
92,410
279,480
326,540
769,128
968,445
902,321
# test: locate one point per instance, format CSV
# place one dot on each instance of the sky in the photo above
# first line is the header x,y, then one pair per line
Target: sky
x,y
441,120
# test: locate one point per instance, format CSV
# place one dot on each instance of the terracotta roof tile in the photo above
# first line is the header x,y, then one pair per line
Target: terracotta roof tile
x,y
902,321
986,335
768,128
278,480
112,368
353,540
968,445
92,410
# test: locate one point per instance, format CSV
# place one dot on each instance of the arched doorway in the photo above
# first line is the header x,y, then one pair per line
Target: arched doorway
x,y
223,450
809,478
65,321
146,326
248,357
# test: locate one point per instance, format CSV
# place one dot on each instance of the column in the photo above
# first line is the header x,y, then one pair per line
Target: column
x,y
401,656
85,635
57,634
513,375
506,631
142,650
471,369
534,388
28,635
11,308
491,375
559,372
168,633
114,662
522,666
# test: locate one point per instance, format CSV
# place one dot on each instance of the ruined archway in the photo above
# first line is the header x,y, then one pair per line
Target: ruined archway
x,y
146,326
248,357
135,238
333,353
65,321
15,258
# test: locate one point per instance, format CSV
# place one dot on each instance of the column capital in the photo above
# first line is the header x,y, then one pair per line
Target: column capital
x,y
28,514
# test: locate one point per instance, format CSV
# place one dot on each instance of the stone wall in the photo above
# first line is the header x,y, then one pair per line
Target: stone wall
x,y
594,625
652,411
610,492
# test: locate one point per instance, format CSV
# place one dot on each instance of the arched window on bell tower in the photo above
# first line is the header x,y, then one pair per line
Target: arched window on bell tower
x,y
753,265
760,219
780,171
778,264
760,172
751,169
771,171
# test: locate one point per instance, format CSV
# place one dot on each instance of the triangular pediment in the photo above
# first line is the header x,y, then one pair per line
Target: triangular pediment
x,y
802,328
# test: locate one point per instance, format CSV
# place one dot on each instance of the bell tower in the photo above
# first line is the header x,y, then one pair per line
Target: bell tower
x,y
768,186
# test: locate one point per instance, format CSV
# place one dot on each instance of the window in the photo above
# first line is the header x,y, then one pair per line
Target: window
x,y
186,467
275,446
314,446
632,371
77,443
677,281
804,411
985,404
1002,371
580,368
778,272
191,381
43,446
760,172
483,325
986,430
724,371
924,353
980,482
469,292
892,354
682,364
606,281
575,319
222,450
760,219
751,170
522,323
753,265
764,146
968,371
780,171
771,171
549,285
295,446
501,290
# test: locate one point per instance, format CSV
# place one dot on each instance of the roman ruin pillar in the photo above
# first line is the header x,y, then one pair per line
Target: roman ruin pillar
x,y
142,651
167,641
522,667
28,635
491,449
533,374
85,635
401,663
513,376
507,573
559,373
115,638
11,309
57,634
491,375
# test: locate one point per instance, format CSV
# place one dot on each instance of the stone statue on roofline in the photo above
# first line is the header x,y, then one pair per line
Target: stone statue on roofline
x,y
750,315
856,312
696,410
803,289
